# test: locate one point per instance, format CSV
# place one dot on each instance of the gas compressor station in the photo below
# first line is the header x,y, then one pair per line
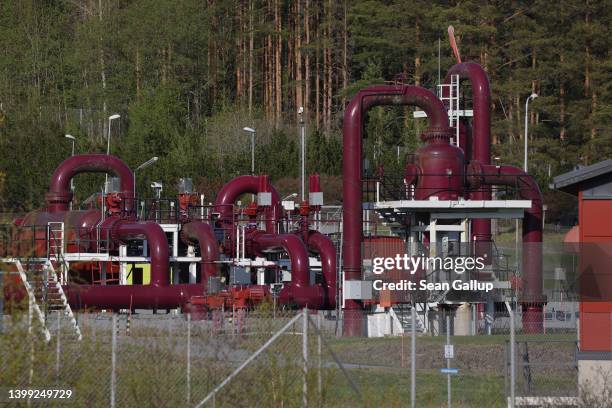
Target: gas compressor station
x,y
124,252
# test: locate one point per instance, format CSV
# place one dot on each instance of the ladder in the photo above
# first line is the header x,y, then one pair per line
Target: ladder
x,y
56,247
451,101
55,239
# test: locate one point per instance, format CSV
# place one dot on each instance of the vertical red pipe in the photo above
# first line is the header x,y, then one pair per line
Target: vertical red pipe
x,y
532,297
354,116
480,145
59,195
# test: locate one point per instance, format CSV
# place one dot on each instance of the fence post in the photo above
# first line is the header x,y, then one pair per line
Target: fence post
x,y
448,362
31,339
113,360
512,357
305,356
413,359
189,358
319,375
59,347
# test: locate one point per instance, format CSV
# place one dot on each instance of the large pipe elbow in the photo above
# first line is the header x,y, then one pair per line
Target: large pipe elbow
x,y
59,195
532,296
158,246
352,164
299,291
322,245
233,189
204,235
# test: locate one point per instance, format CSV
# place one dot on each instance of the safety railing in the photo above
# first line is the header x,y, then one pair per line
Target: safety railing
x,y
395,188
35,241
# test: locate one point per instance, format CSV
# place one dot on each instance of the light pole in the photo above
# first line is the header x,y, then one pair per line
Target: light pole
x,y
72,139
108,136
530,97
302,152
149,162
252,132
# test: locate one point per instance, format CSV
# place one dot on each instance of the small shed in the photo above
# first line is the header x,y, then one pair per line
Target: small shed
x,y
592,240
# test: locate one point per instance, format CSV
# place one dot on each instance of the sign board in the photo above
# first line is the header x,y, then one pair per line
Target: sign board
x,y
449,351
359,290
452,371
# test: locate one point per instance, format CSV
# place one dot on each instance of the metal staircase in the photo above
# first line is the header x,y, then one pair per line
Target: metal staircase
x,y
33,307
401,312
45,294
56,299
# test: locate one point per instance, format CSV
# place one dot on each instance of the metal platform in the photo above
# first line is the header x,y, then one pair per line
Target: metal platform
x,y
454,209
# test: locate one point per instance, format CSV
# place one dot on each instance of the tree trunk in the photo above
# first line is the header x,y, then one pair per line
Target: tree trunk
x,y
138,73
345,53
239,53
102,71
318,70
329,67
307,58
251,57
562,105
277,57
298,57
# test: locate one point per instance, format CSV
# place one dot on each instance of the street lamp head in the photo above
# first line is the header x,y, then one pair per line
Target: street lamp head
x,y
115,116
70,137
301,110
248,129
149,162
533,95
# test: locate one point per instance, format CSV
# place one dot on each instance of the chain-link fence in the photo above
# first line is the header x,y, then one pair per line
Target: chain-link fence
x,y
268,358
167,360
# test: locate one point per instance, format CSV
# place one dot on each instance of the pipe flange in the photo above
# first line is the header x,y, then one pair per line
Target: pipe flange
x,y
437,133
55,197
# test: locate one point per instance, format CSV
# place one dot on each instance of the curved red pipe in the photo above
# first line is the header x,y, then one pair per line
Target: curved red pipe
x,y
354,116
204,235
532,296
299,291
322,245
158,246
481,143
233,189
59,195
